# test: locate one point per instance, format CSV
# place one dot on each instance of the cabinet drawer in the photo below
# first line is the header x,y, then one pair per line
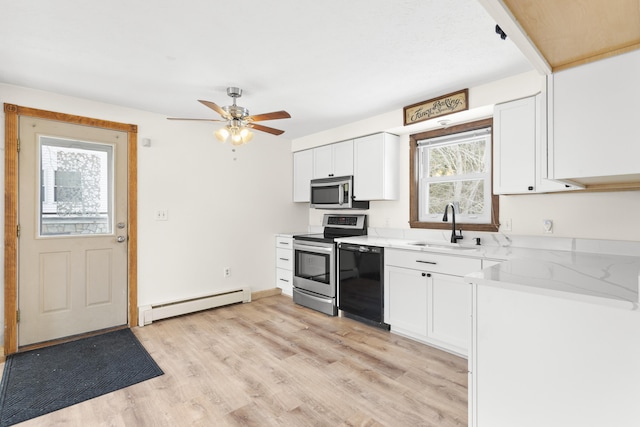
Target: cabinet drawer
x,y
284,242
284,278
438,263
284,258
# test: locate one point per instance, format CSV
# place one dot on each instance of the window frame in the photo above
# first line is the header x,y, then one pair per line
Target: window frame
x,y
414,186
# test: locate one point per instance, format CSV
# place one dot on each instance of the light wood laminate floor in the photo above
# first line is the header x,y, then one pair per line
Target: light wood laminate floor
x,y
273,363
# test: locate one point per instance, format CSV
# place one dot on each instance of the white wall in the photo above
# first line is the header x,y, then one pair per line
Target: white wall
x,y
602,215
224,207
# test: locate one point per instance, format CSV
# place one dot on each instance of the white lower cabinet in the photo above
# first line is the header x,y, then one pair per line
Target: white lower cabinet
x,y
407,295
284,264
427,299
449,300
541,358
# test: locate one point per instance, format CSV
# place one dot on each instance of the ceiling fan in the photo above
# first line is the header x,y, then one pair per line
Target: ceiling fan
x,y
239,121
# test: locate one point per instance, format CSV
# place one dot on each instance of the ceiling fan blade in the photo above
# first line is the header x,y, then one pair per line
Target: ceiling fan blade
x,y
268,116
266,129
216,108
204,120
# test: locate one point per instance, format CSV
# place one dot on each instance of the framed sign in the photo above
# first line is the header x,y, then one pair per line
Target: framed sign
x,y
436,107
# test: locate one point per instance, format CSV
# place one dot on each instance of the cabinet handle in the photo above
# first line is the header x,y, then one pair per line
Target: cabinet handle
x,y
426,274
530,188
284,259
284,280
426,262
283,243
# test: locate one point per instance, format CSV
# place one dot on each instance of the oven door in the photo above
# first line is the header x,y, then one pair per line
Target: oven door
x,y
314,267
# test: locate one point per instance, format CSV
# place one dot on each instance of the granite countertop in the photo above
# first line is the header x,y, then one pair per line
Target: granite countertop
x,y
583,276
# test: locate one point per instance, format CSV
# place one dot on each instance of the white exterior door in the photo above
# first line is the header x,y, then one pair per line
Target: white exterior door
x,y
72,248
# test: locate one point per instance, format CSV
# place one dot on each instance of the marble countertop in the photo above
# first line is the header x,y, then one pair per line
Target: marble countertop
x,y
583,276
290,234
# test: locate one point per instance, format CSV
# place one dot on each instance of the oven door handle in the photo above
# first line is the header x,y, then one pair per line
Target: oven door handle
x,y
311,248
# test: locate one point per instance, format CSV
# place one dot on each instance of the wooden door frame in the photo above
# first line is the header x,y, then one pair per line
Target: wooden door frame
x,y
12,114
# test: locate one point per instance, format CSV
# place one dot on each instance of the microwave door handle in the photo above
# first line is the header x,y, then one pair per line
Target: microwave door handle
x,y
341,196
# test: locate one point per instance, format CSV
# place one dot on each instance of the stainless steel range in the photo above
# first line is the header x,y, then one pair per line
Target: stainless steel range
x,y
314,276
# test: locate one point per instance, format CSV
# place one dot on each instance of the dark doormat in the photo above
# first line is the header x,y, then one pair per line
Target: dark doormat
x,y
40,381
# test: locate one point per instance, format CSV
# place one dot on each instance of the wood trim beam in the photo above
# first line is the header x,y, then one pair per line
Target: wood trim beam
x,y
509,24
10,229
132,206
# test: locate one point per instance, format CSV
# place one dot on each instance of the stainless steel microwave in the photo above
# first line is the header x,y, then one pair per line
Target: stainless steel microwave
x,y
335,193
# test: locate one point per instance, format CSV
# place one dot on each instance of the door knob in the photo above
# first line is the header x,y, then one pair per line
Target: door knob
x,y
121,239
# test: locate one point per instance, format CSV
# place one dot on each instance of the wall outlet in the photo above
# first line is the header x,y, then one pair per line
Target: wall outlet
x,y
226,272
547,225
161,215
506,226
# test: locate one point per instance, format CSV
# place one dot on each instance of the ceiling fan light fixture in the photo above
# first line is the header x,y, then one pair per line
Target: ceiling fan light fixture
x,y
246,135
239,123
222,134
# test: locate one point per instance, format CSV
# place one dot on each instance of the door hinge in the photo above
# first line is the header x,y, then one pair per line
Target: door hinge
x,y
18,230
18,146
17,316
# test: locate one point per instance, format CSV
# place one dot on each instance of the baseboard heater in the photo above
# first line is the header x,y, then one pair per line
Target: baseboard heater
x,y
147,314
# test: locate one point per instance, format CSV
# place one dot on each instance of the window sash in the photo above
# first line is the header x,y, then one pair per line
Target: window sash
x,y
425,181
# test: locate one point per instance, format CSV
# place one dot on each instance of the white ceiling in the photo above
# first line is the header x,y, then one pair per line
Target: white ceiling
x,y
327,62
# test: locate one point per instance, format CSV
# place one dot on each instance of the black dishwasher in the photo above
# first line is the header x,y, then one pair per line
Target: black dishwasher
x,y
361,283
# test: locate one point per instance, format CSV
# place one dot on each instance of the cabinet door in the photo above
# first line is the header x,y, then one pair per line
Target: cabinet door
x,y
322,162
514,151
406,300
595,116
302,173
375,167
333,160
343,158
449,299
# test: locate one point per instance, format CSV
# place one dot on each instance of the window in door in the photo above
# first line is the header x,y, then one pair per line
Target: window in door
x,y
76,187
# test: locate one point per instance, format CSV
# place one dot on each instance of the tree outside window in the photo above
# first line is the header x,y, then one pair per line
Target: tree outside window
x,y
453,165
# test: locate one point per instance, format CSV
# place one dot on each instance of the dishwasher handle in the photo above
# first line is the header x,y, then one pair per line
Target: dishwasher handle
x,y
350,247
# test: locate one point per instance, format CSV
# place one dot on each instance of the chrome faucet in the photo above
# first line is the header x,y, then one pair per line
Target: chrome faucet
x,y
454,236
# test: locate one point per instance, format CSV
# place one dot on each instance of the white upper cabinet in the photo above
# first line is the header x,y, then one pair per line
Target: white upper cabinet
x,y
595,114
375,167
372,161
333,160
520,148
516,131
302,174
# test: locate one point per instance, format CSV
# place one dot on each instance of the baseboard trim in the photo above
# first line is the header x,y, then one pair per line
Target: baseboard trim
x,y
266,293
